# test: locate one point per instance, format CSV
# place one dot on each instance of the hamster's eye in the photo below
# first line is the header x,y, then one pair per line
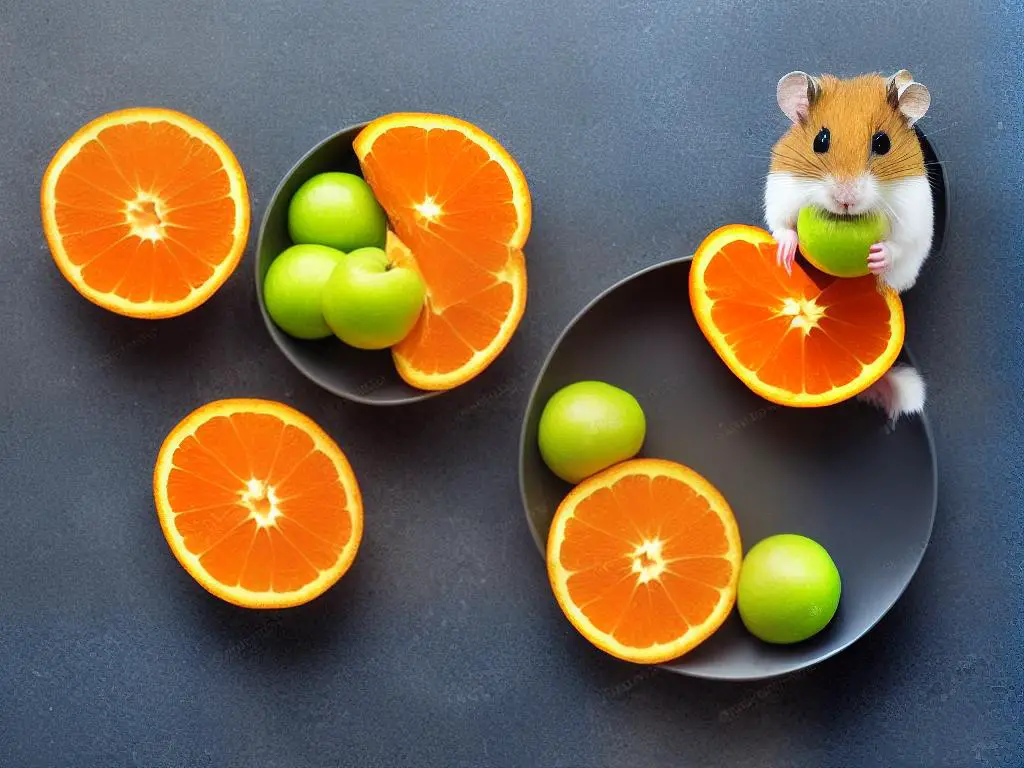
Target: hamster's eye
x,y
880,143
822,141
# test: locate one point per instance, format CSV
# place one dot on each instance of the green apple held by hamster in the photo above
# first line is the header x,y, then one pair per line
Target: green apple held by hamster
x,y
587,427
370,303
839,245
789,589
338,210
293,288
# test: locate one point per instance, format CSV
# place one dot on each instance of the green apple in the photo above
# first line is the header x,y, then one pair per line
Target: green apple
x,y
839,245
789,589
589,426
339,210
370,303
293,288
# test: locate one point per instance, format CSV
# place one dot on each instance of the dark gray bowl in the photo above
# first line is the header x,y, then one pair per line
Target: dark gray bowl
x,y
838,475
363,376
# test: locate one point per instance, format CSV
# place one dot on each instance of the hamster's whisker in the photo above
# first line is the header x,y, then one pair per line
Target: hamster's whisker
x,y
799,165
899,176
891,211
797,161
897,170
894,174
801,161
903,166
820,162
897,164
899,159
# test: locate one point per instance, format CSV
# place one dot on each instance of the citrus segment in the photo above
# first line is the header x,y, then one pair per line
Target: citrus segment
x,y
146,212
449,346
461,206
257,503
644,558
803,339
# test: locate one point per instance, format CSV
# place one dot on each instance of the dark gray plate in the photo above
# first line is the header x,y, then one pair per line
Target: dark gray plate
x,y
359,375
838,475
835,474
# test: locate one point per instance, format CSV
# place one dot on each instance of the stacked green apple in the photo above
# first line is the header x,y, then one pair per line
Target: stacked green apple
x,y
337,279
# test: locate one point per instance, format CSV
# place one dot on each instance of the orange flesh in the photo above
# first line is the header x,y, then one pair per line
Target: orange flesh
x,y
181,233
645,559
258,505
417,175
801,339
448,339
460,205
146,212
851,331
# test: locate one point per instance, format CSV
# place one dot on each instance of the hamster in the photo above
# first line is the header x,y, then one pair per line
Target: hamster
x,y
852,149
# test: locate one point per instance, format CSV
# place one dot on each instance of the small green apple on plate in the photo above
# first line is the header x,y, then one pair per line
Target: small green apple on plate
x,y
371,303
788,590
839,245
588,426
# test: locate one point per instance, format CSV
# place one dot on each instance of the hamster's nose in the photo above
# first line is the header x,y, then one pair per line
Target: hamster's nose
x,y
844,197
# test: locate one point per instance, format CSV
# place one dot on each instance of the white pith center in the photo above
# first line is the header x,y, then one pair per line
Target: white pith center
x,y
648,560
145,216
261,501
428,210
805,313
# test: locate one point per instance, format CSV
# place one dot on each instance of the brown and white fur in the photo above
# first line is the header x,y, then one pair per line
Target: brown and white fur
x,y
850,178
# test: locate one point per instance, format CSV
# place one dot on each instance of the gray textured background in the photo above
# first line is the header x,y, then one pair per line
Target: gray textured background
x,y
641,126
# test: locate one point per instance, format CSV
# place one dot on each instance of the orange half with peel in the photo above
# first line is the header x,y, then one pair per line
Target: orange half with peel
x,y
460,204
146,212
804,339
257,503
644,559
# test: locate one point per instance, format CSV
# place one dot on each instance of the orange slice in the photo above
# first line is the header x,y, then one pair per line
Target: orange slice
x,y
644,560
257,503
461,205
146,212
806,339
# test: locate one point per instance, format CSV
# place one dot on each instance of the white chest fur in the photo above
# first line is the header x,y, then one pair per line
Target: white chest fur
x,y
906,202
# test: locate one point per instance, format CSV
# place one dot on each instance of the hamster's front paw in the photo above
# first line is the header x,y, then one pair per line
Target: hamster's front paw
x,y
879,258
785,253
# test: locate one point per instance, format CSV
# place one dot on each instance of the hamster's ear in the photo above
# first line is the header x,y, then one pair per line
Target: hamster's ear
x,y
901,78
796,92
911,98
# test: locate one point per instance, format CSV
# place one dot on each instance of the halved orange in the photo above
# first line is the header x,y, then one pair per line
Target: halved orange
x,y
146,212
644,559
257,503
804,339
460,203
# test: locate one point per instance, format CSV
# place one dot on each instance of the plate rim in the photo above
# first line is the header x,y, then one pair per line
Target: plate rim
x,y
542,547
